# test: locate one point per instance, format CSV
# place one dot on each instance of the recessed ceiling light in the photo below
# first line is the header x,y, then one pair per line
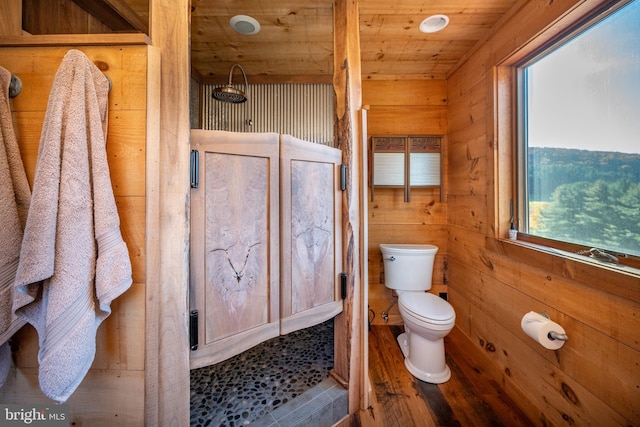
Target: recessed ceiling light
x,y
434,23
245,24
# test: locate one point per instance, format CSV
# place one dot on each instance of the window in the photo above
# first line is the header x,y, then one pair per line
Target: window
x,y
579,136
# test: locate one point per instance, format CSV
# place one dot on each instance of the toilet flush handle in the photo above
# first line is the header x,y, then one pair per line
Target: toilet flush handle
x,y
390,258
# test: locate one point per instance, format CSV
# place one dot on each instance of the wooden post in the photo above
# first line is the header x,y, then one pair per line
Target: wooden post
x,y
167,361
347,85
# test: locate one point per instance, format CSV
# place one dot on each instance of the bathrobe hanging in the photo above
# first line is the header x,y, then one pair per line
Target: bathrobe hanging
x,y
14,205
73,261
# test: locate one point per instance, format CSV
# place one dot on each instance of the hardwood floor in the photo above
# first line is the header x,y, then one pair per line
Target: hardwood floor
x,y
398,399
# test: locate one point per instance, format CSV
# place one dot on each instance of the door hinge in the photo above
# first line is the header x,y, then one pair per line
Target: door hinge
x,y
194,169
193,330
343,177
343,285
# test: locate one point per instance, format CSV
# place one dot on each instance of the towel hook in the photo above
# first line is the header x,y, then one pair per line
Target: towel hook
x,y
15,87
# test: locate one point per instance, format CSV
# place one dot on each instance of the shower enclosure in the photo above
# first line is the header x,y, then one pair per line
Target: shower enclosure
x,y
266,251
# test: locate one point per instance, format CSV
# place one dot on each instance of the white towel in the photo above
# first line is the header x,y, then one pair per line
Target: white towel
x,y
14,204
73,261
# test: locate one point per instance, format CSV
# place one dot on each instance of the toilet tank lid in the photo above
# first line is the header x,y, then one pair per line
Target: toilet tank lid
x,y
427,305
407,248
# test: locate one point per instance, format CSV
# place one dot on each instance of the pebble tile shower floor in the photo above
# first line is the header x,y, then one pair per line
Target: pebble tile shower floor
x,y
242,389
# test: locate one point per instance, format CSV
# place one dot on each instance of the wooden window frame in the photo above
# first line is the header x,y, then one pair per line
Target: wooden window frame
x,y
554,256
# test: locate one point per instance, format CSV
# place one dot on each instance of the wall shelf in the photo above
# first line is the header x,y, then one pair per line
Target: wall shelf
x,y
406,161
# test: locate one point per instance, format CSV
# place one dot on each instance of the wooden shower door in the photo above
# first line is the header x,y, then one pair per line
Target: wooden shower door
x,y
234,243
311,224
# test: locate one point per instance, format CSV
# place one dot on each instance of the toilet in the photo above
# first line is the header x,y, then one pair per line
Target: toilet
x,y
427,318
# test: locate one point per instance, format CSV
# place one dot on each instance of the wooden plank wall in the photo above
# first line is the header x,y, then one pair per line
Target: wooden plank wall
x,y
59,17
112,393
405,108
594,379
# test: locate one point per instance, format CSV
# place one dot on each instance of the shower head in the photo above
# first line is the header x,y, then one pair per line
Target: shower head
x,y
230,94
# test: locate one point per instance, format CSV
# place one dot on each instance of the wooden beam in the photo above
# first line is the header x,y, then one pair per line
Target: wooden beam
x,y
347,85
75,40
270,79
167,362
115,14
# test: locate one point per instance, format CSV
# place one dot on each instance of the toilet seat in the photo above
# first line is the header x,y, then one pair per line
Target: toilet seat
x,y
427,307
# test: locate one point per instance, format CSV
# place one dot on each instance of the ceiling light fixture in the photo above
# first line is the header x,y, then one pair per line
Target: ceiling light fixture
x,y
434,23
245,24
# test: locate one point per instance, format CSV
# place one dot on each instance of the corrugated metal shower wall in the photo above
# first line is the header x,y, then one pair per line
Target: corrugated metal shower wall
x,y
305,111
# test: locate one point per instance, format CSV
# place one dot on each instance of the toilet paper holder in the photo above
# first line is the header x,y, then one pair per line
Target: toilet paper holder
x,y
553,335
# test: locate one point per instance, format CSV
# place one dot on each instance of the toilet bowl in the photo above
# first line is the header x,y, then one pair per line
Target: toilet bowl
x,y
427,318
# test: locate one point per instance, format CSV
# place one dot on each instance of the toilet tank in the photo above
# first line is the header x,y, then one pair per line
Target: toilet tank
x,y
408,267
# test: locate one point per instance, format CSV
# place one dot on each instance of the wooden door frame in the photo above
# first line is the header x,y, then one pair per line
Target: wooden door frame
x,y
167,344
167,381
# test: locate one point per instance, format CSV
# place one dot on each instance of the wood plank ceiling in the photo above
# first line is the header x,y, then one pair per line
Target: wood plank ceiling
x,y
295,42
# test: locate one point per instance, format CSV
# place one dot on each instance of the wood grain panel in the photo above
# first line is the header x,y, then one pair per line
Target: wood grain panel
x,y
11,23
390,43
393,387
132,227
405,108
235,275
295,38
349,360
593,379
113,390
59,17
167,384
120,334
559,396
408,233
125,147
464,85
311,249
576,356
469,398
468,210
549,287
126,152
420,7
473,111
121,408
310,28
475,362
236,244
425,207
397,25
471,168
124,65
312,225
28,128
232,7
407,120
404,92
